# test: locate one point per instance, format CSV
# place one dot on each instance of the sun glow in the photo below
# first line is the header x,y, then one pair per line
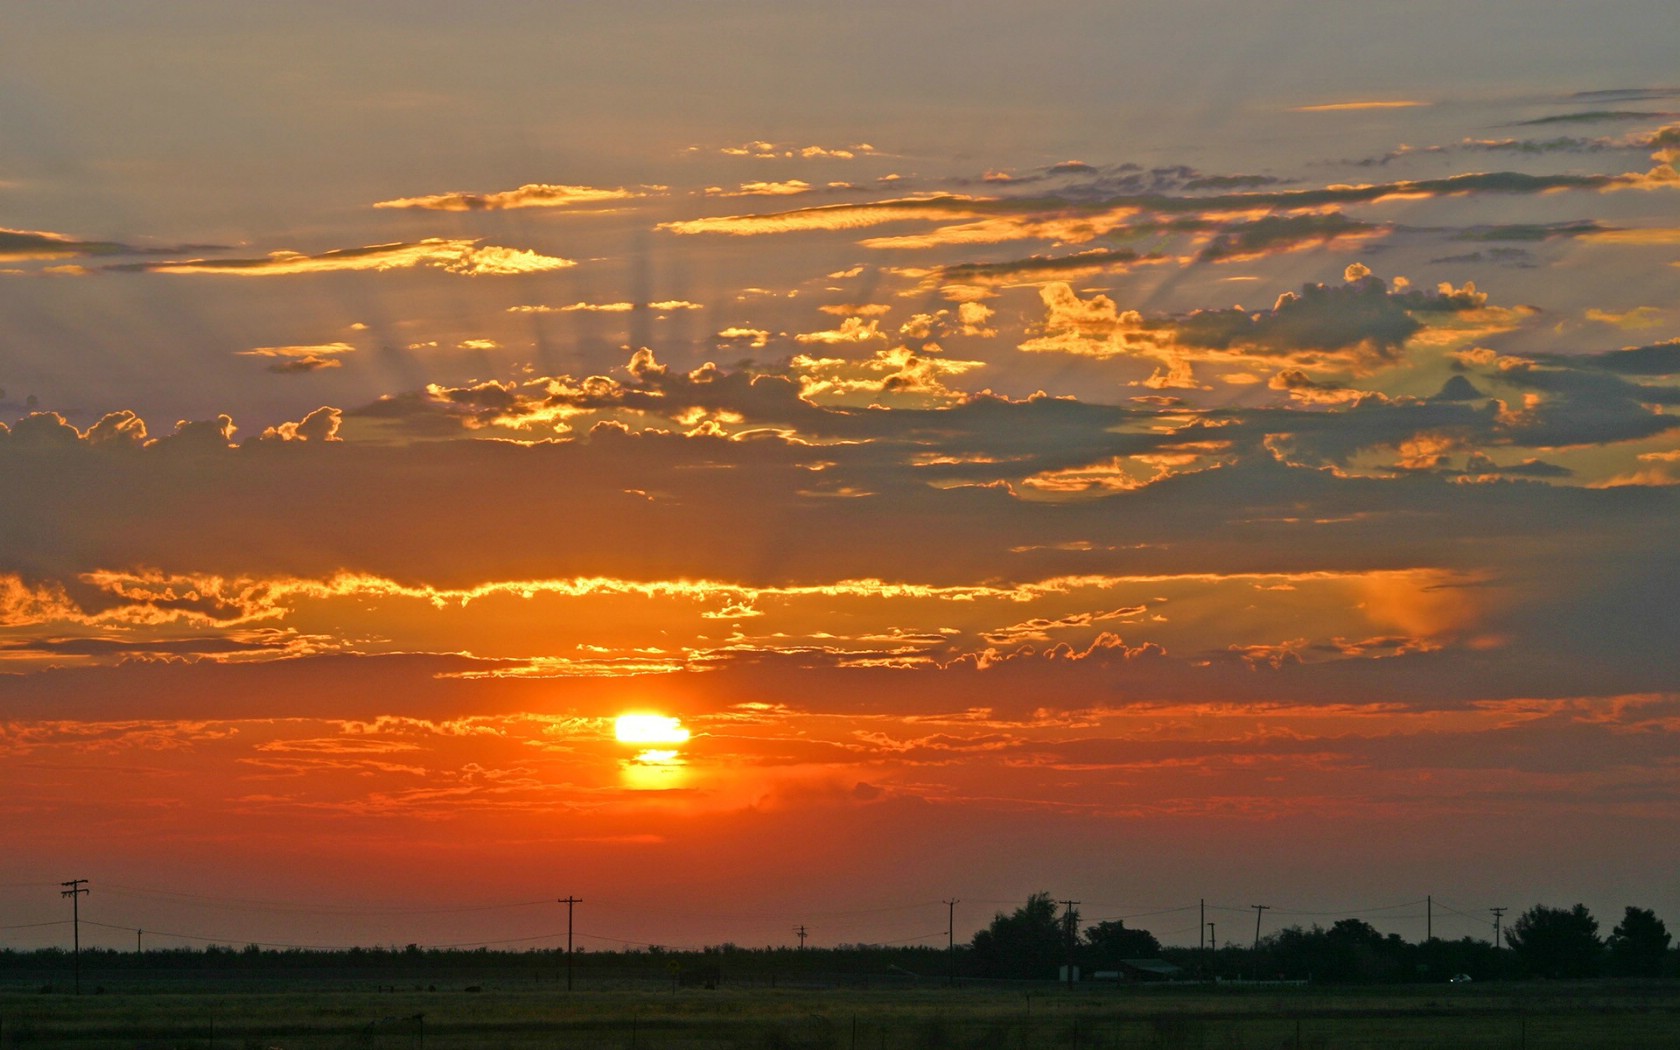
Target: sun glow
x,y
647,729
658,763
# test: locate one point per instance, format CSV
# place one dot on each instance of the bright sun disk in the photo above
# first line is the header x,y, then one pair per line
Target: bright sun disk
x,y
649,729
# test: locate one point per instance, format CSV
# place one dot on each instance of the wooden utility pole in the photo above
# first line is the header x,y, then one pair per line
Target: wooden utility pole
x,y
950,940
1213,949
77,888
569,902
1498,913
800,931
1072,935
1259,910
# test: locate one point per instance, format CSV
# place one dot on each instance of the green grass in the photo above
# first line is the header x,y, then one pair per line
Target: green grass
x,y
1537,1017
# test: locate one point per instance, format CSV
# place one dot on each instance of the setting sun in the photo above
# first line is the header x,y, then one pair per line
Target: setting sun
x,y
649,729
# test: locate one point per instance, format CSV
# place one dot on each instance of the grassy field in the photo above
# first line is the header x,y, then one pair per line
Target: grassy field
x,y
998,1018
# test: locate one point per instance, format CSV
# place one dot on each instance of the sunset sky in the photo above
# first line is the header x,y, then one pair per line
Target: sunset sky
x,y
1147,450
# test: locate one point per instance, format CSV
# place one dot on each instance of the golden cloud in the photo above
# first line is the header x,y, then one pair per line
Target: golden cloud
x,y
1332,107
311,350
604,308
1657,235
761,150
1069,226
459,256
851,330
830,217
790,188
531,195
756,338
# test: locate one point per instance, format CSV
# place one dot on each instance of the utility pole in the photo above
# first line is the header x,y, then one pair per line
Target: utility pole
x,y
1213,948
1429,918
569,901
137,948
1259,910
77,888
1201,926
951,940
1498,913
800,930
1072,933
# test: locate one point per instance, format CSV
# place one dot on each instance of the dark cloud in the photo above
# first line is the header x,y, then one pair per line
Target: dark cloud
x,y
1230,182
1530,231
1593,117
1284,233
1039,267
1458,388
1539,146
1655,359
1520,258
1623,95
1358,314
18,245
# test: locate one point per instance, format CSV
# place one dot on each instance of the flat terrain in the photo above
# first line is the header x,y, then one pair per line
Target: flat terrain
x,y
138,1017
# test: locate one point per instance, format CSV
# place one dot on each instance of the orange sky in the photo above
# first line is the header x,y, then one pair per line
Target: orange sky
x,y
1146,491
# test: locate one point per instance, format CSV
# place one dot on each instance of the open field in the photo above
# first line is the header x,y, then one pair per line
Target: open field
x,y
980,1016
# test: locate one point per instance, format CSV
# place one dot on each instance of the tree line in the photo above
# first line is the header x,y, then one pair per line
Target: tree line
x,y
1036,940
1030,943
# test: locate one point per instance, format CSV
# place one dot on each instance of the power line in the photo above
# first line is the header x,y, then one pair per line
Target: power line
x,y
229,940
326,909
1349,911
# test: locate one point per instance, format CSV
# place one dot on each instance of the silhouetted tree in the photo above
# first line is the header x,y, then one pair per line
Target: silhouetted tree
x,y
1556,942
1437,960
1031,943
1107,943
1364,954
1638,945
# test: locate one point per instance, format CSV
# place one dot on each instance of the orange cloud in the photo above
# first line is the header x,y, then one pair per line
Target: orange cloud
x,y
756,338
310,350
830,217
1649,235
851,330
1066,226
1331,107
467,257
790,188
761,150
531,195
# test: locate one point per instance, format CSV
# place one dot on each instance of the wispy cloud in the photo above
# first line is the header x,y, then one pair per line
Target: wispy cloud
x,y
759,149
663,305
829,217
790,188
468,257
1332,107
310,350
531,195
